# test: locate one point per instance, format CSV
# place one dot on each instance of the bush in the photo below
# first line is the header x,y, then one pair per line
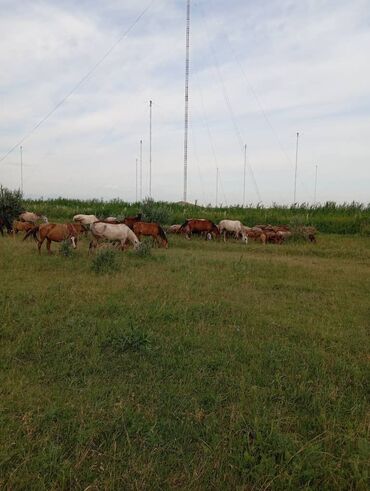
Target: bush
x,y
144,249
65,248
105,262
154,212
10,204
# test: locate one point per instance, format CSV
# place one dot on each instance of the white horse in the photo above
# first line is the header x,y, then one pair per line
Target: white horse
x,y
85,219
233,227
114,232
29,216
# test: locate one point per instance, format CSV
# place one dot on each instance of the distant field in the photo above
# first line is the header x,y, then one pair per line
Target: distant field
x,y
350,218
204,366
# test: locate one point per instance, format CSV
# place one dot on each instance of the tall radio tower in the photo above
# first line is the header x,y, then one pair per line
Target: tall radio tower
x,y
186,100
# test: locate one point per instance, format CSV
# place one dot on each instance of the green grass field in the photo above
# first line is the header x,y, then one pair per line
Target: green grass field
x,y
204,366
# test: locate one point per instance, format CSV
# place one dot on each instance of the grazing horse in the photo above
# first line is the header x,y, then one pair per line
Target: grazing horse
x,y
29,216
4,222
199,226
85,219
130,221
112,232
153,230
22,227
174,229
54,232
234,227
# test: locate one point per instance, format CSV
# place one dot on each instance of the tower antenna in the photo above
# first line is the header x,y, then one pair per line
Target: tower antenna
x,y
216,187
136,187
245,171
295,171
21,150
186,123
141,170
150,148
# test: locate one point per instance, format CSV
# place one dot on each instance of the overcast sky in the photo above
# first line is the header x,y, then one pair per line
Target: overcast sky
x,y
259,72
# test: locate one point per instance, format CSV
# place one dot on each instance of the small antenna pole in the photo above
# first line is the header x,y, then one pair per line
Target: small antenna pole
x,y
136,187
216,187
21,150
245,171
150,148
295,171
315,185
141,170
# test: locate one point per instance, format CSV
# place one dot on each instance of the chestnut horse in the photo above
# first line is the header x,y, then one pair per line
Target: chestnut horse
x,y
22,227
130,221
54,232
199,226
153,230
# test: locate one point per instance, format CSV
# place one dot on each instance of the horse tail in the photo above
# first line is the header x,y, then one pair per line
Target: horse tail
x,y
162,233
32,231
215,229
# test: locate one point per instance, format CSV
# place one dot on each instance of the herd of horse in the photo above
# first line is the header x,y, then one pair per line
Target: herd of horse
x,y
130,230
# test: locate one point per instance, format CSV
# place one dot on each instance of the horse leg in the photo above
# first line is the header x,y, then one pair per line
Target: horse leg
x,y
48,244
92,245
39,244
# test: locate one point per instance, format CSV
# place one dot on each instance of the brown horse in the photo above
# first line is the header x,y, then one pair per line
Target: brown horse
x,y
199,226
55,232
22,227
153,230
130,221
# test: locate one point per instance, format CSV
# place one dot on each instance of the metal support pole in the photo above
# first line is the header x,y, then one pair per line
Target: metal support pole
x,y
216,187
150,148
295,171
21,150
315,185
245,171
141,170
136,187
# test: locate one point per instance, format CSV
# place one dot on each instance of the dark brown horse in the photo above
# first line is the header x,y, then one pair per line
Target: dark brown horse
x,y
153,230
199,226
130,221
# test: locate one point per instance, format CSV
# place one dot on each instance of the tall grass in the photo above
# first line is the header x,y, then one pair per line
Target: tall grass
x,y
345,218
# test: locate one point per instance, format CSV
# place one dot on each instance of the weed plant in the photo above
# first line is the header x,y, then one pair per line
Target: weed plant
x,y
105,262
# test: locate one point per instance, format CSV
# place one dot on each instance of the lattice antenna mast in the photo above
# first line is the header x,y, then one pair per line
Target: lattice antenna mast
x,y
186,100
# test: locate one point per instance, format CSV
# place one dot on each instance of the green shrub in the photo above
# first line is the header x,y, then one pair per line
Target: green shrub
x,y
154,212
144,249
105,262
10,203
65,248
